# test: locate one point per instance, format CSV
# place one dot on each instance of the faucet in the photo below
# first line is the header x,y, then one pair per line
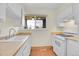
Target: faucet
x,y
10,30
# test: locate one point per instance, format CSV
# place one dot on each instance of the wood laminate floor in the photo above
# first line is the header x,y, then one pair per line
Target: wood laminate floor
x,y
42,51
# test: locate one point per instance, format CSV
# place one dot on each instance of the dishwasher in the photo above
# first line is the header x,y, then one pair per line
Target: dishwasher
x,y
59,45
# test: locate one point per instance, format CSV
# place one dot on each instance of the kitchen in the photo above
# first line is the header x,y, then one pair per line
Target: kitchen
x,y
27,26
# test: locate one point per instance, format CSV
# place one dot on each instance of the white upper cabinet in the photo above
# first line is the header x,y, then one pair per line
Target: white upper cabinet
x,y
64,13
2,12
13,12
16,9
76,12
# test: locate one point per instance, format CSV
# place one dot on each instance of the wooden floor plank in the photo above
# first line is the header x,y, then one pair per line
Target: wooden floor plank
x,y
42,51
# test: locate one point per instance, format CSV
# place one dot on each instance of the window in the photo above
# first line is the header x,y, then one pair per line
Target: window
x,y
39,24
32,22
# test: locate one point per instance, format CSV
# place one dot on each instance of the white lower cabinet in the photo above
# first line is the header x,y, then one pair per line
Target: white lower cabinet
x,y
25,49
66,47
72,48
20,52
59,45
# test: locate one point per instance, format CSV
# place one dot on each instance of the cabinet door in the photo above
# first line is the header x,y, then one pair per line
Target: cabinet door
x,y
2,12
20,52
14,14
64,13
76,12
27,47
25,53
72,48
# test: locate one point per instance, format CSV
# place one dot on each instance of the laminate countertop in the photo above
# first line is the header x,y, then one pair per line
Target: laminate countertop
x,y
75,38
69,37
10,48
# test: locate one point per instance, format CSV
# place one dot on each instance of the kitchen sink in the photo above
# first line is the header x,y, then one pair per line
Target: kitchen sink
x,y
15,38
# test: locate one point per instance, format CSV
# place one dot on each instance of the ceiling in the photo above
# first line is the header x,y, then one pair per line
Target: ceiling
x,y
47,6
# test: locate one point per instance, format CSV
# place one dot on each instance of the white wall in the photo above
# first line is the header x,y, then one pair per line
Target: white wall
x,y
41,37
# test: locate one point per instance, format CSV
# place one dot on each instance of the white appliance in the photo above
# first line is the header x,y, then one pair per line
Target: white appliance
x,y
59,45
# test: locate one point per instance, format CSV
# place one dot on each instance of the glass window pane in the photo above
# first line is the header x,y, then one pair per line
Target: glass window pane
x,y
39,23
30,24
